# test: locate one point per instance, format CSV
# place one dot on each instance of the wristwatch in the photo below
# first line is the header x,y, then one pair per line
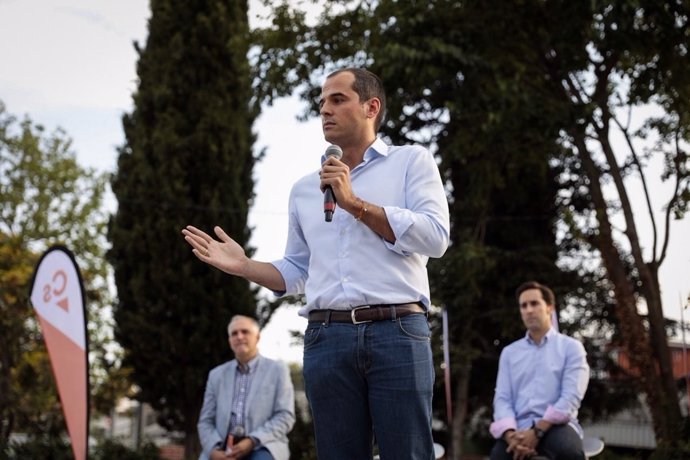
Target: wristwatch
x,y
538,431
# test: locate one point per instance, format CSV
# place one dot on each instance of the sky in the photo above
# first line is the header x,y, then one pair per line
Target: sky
x,y
72,64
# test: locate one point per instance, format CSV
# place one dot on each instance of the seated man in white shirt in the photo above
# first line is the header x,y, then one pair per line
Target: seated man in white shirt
x,y
541,381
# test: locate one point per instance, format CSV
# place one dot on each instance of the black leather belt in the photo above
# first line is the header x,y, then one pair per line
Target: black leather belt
x,y
365,313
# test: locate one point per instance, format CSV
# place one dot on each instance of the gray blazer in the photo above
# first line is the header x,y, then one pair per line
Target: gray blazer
x,y
270,407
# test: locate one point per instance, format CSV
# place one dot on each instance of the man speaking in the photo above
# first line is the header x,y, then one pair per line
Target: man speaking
x,y
367,357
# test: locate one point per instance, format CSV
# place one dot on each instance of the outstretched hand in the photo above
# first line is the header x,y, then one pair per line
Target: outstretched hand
x,y
223,253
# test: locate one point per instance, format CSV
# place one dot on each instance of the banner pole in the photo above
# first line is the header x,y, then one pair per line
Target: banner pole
x,y
446,371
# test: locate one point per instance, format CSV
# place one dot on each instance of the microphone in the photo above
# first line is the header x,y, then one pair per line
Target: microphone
x,y
328,196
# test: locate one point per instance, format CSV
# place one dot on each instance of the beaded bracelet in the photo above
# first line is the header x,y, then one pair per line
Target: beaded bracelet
x,y
361,211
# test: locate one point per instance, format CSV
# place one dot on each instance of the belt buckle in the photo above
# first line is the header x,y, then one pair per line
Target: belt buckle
x,y
352,315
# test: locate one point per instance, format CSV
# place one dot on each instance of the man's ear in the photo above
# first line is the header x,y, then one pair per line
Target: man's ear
x,y
373,107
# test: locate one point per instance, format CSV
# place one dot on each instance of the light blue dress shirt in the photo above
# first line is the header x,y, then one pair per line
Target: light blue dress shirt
x,y
342,264
540,381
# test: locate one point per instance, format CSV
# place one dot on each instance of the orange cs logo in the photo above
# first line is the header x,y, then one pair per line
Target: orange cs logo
x,y
56,288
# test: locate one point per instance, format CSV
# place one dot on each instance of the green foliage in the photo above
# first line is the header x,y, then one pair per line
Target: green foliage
x,y
45,192
117,385
187,160
673,450
16,266
301,441
112,450
48,446
56,448
46,198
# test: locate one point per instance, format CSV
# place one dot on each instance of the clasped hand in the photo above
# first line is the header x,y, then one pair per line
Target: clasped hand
x,y
522,444
240,450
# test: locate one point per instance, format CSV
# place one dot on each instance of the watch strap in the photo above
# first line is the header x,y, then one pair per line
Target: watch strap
x,y
538,431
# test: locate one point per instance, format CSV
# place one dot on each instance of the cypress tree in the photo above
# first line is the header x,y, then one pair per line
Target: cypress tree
x,y
187,159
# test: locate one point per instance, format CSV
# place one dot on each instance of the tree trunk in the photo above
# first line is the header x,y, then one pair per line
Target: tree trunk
x,y
192,448
648,276
460,415
635,337
659,341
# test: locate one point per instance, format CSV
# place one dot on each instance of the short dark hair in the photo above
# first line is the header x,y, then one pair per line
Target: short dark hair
x,y
367,85
546,292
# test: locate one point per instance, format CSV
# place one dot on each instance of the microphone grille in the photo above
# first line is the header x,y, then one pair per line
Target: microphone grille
x,y
334,151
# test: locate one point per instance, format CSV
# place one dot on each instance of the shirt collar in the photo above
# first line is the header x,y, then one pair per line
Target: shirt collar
x,y
250,367
377,148
549,334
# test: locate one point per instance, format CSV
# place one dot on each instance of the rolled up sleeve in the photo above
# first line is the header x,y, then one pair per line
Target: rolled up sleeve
x,y
423,226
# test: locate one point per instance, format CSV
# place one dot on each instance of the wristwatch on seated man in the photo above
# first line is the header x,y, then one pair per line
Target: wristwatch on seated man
x,y
539,433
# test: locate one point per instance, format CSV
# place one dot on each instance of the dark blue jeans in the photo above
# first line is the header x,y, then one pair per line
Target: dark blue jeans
x,y
370,380
561,442
259,454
